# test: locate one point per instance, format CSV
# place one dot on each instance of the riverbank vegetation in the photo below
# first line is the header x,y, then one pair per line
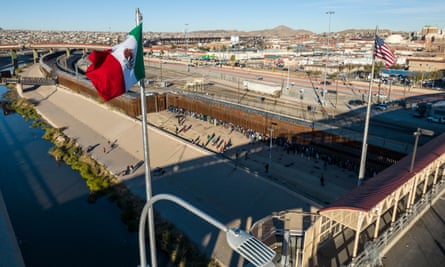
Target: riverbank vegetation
x,y
178,248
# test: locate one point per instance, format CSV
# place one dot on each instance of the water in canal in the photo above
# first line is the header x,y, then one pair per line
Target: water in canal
x,y
48,208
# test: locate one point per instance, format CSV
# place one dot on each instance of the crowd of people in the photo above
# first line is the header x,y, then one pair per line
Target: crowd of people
x,y
309,151
248,133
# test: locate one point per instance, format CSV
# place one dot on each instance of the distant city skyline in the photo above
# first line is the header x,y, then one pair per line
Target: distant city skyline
x,y
199,15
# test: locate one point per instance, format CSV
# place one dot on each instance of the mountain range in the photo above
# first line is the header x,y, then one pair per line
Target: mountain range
x,y
279,31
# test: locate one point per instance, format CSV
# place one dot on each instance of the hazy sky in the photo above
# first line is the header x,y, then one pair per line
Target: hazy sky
x,y
245,15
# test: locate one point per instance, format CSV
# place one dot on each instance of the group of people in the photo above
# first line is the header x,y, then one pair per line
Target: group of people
x,y
306,150
249,133
128,170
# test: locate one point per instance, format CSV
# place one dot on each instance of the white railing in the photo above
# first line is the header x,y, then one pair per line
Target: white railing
x,y
388,238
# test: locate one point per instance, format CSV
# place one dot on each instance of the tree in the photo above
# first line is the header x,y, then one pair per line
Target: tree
x,y
418,76
333,76
378,67
367,69
434,75
232,59
350,67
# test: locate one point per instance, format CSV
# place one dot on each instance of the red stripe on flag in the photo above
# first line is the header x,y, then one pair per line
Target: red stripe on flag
x,y
105,72
383,51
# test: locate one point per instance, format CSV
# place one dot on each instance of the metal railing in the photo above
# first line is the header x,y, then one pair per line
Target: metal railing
x,y
29,81
388,238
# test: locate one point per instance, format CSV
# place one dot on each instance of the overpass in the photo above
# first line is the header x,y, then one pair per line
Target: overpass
x,y
11,46
29,81
53,46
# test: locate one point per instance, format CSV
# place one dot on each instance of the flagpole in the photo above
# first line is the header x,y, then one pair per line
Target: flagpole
x,y
361,174
151,228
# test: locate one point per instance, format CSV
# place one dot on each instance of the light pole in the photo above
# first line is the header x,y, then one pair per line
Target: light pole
x,y
270,146
418,133
186,47
330,13
250,248
160,65
288,75
186,40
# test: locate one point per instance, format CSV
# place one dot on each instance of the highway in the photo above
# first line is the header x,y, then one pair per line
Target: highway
x,y
176,71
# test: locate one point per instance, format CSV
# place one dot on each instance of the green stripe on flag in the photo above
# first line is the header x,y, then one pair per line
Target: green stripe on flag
x,y
139,69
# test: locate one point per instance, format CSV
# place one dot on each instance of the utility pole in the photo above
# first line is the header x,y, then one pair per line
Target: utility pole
x,y
288,75
330,13
186,46
186,40
270,147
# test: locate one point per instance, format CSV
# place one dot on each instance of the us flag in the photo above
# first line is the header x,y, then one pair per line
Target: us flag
x,y
383,51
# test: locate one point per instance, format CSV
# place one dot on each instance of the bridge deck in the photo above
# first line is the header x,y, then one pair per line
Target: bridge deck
x,y
29,81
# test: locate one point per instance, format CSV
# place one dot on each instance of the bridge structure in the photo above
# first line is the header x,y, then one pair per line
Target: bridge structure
x,y
13,49
33,81
53,46
29,81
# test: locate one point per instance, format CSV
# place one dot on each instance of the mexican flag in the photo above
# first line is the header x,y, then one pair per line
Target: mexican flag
x,y
116,70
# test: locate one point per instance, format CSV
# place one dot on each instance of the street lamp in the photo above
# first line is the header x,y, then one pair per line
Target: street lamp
x,y
250,248
327,58
418,133
288,74
186,40
186,47
270,147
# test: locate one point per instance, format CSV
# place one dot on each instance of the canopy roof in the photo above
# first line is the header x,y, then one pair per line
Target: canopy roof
x,y
369,195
